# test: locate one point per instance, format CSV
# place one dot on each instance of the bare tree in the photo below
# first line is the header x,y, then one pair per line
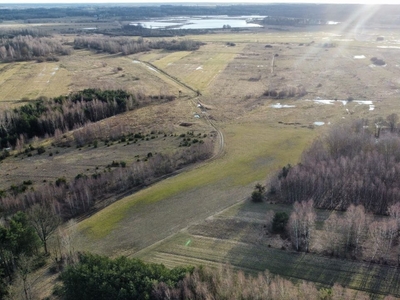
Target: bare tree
x,y
332,237
355,224
23,270
45,221
301,224
392,120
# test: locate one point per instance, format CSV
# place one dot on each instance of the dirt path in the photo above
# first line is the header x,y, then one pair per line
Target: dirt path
x,y
150,65
221,144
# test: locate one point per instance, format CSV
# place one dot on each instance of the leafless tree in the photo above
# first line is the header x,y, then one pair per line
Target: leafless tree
x,y
45,221
301,224
392,120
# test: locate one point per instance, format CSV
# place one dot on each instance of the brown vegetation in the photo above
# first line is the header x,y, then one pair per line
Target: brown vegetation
x,y
28,48
130,46
225,283
348,166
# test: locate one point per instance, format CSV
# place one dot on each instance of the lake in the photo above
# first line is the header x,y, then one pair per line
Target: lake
x,y
201,22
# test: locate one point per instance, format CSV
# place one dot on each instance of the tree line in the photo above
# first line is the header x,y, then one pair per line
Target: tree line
x,y
21,237
354,234
27,47
71,199
128,46
130,13
97,277
357,163
43,117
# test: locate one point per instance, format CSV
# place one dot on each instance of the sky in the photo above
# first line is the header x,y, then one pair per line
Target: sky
x,y
202,1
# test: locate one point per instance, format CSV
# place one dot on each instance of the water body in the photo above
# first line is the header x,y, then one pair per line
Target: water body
x,y
201,22
278,105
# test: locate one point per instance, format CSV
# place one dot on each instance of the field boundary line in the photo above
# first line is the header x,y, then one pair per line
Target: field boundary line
x,y
221,146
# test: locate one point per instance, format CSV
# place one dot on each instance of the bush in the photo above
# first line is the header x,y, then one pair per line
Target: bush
x,y
258,193
61,181
256,196
41,150
279,222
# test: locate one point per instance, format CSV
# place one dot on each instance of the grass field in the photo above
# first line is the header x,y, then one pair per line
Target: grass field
x,y
192,196
237,237
199,68
31,80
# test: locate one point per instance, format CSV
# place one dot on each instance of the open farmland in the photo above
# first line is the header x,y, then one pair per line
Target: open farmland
x,y
199,68
83,69
31,80
237,236
261,135
176,221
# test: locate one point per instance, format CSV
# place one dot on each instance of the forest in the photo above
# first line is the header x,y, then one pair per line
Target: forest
x,y
357,163
27,47
130,46
44,117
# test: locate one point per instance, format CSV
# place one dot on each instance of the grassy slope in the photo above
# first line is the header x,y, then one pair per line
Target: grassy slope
x,y
203,191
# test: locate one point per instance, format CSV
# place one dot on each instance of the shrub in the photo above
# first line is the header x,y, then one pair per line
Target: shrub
x,y
61,181
279,222
41,150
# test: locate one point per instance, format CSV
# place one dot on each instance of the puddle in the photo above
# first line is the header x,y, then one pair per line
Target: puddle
x,y
319,123
199,68
344,102
359,56
367,102
389,47
329,102
150,68
278,105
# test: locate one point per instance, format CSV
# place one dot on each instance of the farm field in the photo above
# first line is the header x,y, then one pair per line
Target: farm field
x,y
237,236
261,135
201,216
192,196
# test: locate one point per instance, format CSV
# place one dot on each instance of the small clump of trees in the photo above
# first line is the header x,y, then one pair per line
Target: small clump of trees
x,y
353,234
98,277
21,237
286,92
378,61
